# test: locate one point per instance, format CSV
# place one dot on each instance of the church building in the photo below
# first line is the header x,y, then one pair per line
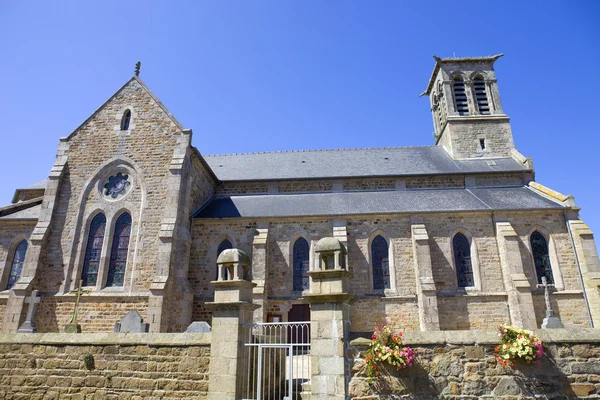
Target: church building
x,y
453,236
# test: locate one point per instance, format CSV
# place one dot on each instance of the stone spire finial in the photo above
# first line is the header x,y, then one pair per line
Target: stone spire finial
x,y
138,65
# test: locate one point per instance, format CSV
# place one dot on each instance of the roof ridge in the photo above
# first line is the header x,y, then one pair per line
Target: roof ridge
x,y
316,150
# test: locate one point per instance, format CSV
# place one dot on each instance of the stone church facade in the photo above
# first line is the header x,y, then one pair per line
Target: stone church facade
x,y
453,236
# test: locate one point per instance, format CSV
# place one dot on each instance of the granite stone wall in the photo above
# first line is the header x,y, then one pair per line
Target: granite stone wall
x,y
2,309
148,146
461,365
96,313
482,308
464,135
365,184
124,366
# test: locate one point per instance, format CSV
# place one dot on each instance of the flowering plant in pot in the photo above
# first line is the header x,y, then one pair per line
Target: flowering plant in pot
x,y
517,344
387,347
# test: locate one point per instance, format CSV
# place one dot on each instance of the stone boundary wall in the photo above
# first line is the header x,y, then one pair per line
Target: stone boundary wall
x,y
125,366
461,365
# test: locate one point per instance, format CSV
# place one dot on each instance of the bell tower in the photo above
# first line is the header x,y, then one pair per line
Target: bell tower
x,y
467,113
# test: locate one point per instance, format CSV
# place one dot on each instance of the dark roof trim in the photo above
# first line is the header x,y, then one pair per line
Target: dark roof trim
x,y
23,205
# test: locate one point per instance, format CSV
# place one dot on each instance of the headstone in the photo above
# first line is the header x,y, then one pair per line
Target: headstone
x,y
132,322
198,327
29,326
551,321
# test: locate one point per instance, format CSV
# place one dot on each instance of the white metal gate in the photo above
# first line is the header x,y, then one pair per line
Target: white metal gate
x,y
276,355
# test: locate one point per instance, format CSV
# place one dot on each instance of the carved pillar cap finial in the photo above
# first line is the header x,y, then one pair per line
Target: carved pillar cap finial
x,y
138,65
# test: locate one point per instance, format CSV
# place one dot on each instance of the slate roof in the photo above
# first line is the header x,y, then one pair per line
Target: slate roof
x,y
41,185
37,185
26,210
346,163
377,202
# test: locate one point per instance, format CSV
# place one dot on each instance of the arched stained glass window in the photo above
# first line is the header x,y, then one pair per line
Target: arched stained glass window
x,y
381,263
301,260
225,244
126,120
462,260
541,258
17,264
93,251
119,250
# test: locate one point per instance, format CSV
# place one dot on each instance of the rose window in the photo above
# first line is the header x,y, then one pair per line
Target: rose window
x,y
117,185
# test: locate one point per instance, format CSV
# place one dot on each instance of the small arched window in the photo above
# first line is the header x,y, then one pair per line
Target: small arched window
x,y
119,250
301,262
541,257
481,96
17,264
462,260
126,120
460,96
93,251
225,244
381,263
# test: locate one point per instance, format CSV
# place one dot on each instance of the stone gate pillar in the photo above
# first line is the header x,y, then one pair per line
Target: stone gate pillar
x,y
232,309
330,321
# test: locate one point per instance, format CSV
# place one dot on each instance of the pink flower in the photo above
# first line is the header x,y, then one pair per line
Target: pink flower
x,y
540,350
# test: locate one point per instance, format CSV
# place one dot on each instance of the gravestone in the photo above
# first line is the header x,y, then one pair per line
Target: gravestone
x,y
29,326
132,322
198,327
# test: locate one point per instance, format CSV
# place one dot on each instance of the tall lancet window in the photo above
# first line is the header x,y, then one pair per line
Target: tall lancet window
x,y
225,244
301,263
17,264
126,120
462,260
481,96
381,263
93,250
541,257
460,96
119,250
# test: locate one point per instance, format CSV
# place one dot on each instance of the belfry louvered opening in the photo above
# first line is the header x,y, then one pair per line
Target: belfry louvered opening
x,y
481,96
460,97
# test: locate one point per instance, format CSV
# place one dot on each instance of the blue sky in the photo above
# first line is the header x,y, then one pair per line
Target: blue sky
x,y
286,75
